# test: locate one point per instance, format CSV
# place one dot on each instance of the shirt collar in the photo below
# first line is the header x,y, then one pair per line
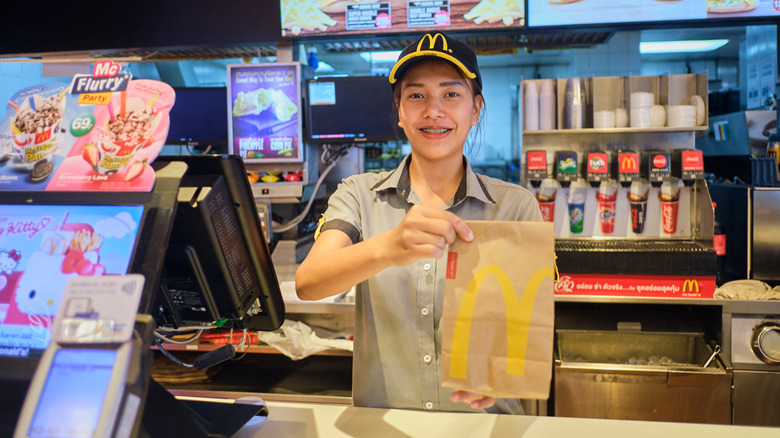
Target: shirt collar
x,y
471,184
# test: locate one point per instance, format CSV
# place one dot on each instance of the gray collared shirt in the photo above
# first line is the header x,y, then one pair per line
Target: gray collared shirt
x,y
397,311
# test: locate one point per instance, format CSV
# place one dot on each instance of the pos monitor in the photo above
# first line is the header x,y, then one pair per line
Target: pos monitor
x,y
46,238
217,266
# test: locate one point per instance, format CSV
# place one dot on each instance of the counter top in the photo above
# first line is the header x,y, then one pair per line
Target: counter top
x,y
292,420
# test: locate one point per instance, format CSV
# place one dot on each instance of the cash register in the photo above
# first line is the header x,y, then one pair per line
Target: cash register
x,y
197,233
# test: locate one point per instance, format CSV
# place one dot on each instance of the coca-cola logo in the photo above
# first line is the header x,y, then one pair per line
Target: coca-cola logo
x,y
565,284
693,161
659,161
668,214
537,160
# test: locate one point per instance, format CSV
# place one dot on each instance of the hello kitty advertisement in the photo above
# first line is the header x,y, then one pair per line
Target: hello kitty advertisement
x,y
41,247
100,132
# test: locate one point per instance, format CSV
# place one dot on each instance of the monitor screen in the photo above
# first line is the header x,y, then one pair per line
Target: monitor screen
x,y
544,13
198,118
264,111
351,109
217,265
41,247
73,395
309,18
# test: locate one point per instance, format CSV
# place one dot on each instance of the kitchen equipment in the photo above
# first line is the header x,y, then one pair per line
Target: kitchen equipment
x,y
754,332
640,375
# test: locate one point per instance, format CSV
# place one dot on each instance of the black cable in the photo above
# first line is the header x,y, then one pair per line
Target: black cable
x,y
166,353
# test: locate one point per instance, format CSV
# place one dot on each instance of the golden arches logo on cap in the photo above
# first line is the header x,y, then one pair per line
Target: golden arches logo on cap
x,y
443,50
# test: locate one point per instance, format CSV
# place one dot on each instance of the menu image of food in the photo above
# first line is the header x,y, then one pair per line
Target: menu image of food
x,y
742,8
557,12
350,17
55,137
264,105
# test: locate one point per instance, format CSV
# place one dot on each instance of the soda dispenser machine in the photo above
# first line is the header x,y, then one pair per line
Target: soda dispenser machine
x,y
627,222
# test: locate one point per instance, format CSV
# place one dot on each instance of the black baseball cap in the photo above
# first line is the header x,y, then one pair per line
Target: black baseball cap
x,y
440,46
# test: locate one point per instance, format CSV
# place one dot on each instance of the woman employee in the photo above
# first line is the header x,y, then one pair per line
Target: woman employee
x,y
387,232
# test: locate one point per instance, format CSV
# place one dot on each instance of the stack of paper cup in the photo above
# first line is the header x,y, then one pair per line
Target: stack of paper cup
x,y
547,104
701,110
621,117
604,119
657,116
530,107
679,116
641,102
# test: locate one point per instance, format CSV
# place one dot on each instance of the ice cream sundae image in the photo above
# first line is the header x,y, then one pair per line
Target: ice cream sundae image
x,y
36,131
129,129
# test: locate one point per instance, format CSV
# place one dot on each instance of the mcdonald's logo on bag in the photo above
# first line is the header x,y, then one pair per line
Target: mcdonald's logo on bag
x,y
690,286
517,315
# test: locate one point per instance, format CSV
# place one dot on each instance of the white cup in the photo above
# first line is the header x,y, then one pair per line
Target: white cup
x,y
640,117
604,119
531,107
547,106
657,116
642,99
621,117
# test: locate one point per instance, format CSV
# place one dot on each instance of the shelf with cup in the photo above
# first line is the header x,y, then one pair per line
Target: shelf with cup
x,y
626,130
615,104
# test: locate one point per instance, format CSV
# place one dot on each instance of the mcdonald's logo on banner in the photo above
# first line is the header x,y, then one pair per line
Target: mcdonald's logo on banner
x,y
690,287
629,163
517,315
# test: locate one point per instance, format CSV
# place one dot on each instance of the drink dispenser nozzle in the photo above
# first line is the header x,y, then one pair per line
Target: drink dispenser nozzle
x,y
656,167
625,167
688,165
565,168
596,167
535,167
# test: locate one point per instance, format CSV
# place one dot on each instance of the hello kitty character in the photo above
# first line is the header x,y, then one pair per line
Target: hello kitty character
x,y
66,252
8,263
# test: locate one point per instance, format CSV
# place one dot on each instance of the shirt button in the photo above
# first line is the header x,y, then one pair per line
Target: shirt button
x,y
424,311
427,266
428,405
427,358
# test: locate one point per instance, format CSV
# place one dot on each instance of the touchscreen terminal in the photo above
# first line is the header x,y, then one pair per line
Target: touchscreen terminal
x,y
73,395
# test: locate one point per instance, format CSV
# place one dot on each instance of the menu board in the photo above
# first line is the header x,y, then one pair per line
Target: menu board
x,y
100,133
572,12
41,248
264,110
302,18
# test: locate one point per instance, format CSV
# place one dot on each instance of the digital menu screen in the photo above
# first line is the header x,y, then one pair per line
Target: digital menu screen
x,y
41,248
302,18
573,12
264,112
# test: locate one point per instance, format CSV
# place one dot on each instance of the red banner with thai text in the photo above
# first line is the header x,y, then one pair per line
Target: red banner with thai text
x,y
654,286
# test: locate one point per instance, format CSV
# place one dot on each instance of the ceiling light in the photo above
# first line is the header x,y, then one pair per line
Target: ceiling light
x,y
680,46
390,56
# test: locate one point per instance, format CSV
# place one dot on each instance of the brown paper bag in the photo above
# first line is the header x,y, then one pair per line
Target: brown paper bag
x,y
497,321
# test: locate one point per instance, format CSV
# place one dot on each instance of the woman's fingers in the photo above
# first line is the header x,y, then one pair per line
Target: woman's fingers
x,y
476,401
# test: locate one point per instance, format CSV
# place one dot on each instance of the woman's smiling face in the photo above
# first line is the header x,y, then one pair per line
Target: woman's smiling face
x,y
437,108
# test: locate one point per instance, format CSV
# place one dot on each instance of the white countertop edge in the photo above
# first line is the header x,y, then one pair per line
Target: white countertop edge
x,y
292,420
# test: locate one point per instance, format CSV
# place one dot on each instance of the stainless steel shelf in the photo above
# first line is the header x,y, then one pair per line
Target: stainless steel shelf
x,y
616,130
